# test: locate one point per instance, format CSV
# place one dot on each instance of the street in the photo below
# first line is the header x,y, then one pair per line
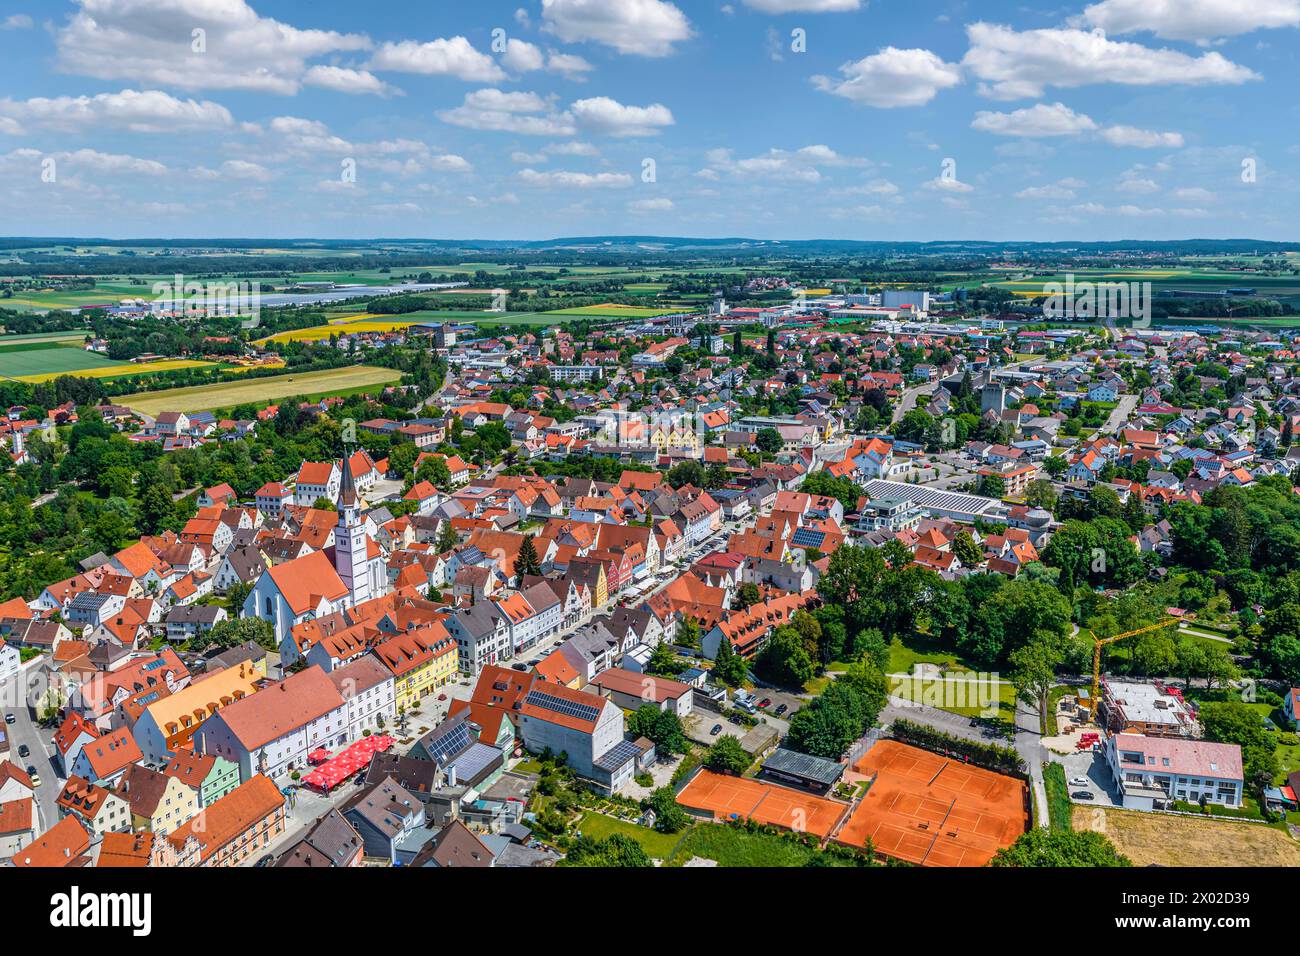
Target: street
x,y
18,699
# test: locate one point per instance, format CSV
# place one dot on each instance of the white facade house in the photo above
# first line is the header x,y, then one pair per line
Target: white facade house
x,y
10,661
1152,771
272,732
369,689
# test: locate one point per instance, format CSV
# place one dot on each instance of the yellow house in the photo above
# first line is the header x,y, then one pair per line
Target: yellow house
x,y
679,438
421,660
159,803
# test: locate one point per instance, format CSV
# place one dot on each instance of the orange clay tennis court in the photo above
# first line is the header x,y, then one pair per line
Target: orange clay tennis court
x,y
768,803
933,810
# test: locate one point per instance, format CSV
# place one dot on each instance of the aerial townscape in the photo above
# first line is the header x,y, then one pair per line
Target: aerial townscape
x,y
477,436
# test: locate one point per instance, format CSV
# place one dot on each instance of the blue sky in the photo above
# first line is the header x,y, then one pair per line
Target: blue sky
x,y
787,119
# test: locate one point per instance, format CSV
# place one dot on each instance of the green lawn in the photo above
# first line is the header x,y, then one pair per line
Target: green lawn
x,y
598,826
735,846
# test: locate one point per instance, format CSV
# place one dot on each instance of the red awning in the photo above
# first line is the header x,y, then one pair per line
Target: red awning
x,y
319,755
356,757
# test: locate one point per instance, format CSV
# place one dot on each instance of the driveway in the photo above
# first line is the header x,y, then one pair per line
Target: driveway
x,y
1091,765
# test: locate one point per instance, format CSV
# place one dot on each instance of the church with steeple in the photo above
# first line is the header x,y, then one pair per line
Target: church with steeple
x,y
357,559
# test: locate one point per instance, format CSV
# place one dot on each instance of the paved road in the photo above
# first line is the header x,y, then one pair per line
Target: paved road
x,y
25,732
908,401
1119,414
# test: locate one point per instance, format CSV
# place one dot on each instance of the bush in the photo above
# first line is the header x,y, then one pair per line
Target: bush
x,y
644,779
988,756
1058,796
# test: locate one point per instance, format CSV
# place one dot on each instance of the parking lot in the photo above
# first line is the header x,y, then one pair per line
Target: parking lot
x,y
1091,766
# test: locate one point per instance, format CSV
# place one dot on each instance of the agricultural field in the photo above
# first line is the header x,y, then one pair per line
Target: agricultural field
x,y
1157,839
614,311
50,359
261,391
1162,280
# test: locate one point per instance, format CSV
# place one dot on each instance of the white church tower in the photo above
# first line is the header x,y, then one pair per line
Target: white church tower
x,y
350,558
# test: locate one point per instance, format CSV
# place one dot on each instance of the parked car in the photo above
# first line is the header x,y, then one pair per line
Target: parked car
x,y
36,777
765,702
717,729
1083,795
780,709
520,667
1079,781
265,860
10,718
24,750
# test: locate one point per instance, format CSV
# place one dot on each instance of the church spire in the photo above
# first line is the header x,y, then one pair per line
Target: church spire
x,y
348,488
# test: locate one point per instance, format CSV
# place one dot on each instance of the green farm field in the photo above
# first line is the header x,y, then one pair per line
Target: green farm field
x,y
262,391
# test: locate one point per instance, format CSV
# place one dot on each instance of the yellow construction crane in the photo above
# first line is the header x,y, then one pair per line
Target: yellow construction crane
x,y
1096,657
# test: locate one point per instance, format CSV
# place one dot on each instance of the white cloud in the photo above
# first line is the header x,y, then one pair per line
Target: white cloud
x,y
1194,194
799,165
146,111
1016,65
569,65
153,41
1141,138
891,78
17,21
571,148
804,6
1062,189
641,27
1057,119
517,112
603,115
242,169
1038,120
946,185
442,57
661,204
90,159
1138,186
1191,19
574,180
343,80
522,56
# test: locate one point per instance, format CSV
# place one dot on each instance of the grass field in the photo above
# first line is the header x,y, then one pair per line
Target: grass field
x,y
598,826
260,391
51,361
734,846
1155,838
74,337
122,370
614,311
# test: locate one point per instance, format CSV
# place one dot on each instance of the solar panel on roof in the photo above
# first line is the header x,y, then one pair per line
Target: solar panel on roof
x,y
617,755
808,538
563,706
450,743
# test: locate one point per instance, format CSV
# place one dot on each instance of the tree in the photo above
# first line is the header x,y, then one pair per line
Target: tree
x,y
747,595
1042,847
728,666
446,538
660,726
727,756
1033,673
1041,493
688,632
768,440
967,551
527,562
669,816
235,631
663,661
401,458
616,850
784,660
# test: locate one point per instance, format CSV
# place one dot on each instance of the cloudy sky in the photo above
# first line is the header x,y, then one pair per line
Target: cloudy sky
x,y
856,119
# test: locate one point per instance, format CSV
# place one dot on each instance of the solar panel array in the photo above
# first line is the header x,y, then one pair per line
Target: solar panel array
x,y
561,705
450,743
803,765
931,497
808,538
617,755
